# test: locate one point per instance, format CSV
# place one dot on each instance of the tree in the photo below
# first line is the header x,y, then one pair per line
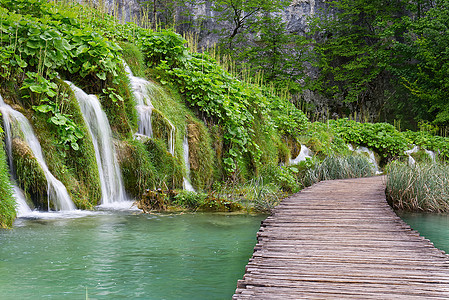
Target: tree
x,y
241,17
280,56
425,73
352,40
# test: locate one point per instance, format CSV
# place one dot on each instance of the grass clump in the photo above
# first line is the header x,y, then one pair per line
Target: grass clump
x,y
422,187
7,202
339,167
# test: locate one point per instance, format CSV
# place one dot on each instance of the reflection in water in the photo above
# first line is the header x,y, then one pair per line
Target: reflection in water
x,y
123,255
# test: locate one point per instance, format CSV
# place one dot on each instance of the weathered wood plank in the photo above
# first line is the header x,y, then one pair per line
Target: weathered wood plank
x,y
340,240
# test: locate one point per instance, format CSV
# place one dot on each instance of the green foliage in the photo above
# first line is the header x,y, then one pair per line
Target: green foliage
x,y
7,202
383,138
190,200
322,139
418,188
425,75
218,96
352,47
165,46
429,142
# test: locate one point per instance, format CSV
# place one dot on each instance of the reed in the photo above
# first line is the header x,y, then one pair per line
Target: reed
x,y
339,167
422,187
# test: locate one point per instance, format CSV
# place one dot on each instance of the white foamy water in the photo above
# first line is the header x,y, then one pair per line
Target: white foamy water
x,y
22,207
302,156
144,106
112,188
371,158
411,160
57,192
186,183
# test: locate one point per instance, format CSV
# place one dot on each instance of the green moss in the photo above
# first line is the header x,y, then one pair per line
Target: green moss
x,y
161,126
137,168
169,106
7,201
201,154
169,172
30,176
133,58
216,132
284,153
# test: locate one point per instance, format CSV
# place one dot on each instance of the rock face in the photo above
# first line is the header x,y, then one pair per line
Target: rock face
x,y
201,18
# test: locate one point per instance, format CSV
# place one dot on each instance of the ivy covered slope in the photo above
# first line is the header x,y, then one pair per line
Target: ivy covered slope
x,y
234,129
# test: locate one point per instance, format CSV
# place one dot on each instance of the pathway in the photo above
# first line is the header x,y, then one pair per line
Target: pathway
x,y
341,240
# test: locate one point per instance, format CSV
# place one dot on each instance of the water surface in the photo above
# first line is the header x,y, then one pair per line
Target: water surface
x,y
126,256
434,227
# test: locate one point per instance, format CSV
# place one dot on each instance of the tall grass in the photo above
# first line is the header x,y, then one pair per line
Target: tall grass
x,y
339,167
422,187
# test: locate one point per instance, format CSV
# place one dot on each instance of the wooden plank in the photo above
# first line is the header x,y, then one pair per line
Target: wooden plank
x,y
340,239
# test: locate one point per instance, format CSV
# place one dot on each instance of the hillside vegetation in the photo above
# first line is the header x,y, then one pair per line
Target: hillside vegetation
x,y
241,135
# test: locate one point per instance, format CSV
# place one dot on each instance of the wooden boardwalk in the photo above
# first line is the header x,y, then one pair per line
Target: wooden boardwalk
x,y
340,240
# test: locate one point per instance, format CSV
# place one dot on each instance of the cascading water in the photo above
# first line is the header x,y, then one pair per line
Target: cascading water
x,y
431,154
303,155
112,189
185,147
57,193
22,207
141,88
371,157
144,106
411,160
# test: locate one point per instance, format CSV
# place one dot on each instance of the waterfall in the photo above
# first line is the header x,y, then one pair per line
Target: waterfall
x,y
185,147
411,160
112,189
371,157
303,155
57,193
431,154
144,106
22,207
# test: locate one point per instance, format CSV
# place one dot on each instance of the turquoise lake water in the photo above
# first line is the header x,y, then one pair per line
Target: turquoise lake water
x,y
119,255
434,227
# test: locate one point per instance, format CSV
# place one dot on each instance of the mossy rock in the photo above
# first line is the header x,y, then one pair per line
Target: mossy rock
x,y
201,154
7,201
168,168
30,176
139,173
